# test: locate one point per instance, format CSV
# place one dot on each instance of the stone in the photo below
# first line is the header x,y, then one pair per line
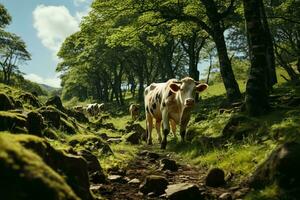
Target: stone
x,y
104,136
35,123
133,137
10,121
135,127
225,196
51,116
50,133
134,181
155,184
215,178
25,175
6,103
282,167
55,101
186,191
167,164
30,99
92,161
116,179
152,155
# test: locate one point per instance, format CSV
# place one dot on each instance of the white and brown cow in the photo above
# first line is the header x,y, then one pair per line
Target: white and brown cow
x,y
94,108
134,111
170,103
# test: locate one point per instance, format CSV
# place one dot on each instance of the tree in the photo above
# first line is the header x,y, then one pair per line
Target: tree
x,y
12,53
5,18
260,78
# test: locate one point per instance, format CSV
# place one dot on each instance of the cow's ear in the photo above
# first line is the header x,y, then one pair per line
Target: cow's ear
x,y
174,87
201,87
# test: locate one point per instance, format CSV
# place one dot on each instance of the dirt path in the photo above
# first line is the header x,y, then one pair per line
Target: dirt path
x,y
148,162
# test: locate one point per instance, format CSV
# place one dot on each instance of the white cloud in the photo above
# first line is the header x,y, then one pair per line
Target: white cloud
x,y
51,81
53,25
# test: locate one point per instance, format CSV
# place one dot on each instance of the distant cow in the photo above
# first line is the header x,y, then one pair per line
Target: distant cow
x,y
171,103
134,111
94,108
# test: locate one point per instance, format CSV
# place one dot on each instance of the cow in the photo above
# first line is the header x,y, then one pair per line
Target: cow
x,y
94,108
170,103
134,111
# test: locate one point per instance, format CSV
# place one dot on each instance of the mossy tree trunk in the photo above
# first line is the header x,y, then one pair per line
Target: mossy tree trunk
x,y
261,74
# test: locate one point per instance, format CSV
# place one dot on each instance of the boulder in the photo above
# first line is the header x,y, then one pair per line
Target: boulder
x,y
135,127
215,178
133,137
50,133
79,116
186,191
51,116
24,175
35,123
67,126
11,121
56,102
155,184
167,164
282,168
91,143
239,127
73,168
30,99
6,103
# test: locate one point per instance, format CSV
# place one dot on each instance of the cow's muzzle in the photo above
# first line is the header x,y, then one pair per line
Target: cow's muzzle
x,y
189,102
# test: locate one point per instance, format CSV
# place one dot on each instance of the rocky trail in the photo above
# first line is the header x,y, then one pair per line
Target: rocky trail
x,y
156,175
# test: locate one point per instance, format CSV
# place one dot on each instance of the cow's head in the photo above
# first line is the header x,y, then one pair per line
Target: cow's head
x,y
187,88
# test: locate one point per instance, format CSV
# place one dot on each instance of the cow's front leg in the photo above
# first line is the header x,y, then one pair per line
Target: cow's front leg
x,y
149,124
166,129
158,130
183,126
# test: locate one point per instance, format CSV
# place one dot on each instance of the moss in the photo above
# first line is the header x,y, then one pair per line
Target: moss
x,y
67,126
11,120
24,175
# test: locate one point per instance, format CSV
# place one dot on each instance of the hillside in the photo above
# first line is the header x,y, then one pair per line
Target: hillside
x,y
104,156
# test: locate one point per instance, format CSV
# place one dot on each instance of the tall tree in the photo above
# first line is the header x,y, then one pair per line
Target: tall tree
x,y
261,72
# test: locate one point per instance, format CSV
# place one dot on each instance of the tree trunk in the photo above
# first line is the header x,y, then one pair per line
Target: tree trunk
x,y
231,85
257,88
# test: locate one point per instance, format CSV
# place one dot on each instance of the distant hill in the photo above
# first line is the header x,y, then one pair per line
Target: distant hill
x,y
47,87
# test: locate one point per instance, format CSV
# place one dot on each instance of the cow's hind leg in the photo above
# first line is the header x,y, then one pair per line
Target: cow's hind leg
x,y
149,124
158,130
173,127
166,129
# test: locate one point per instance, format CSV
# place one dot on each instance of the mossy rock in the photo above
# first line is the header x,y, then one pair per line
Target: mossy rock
x,y
51,116
24,175
30,99
50,133
91,143
6,102
11,120
72,168
239,127
67,126
79,116
35,123
55,101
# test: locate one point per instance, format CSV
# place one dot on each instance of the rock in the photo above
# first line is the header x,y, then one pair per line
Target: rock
x,y
134,181
167,164
6,103
35,123
186,191
134,127
97,177
35,179
114,140
239,126
51,116
91,143
116,179
11,121
282,167
79,116
133,137
67,126
49,133
225,196
103,136
18,104
30,99
215,178
155,184
55,101
152,155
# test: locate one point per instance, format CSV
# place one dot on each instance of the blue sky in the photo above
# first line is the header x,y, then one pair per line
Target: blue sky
x,y
43,25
